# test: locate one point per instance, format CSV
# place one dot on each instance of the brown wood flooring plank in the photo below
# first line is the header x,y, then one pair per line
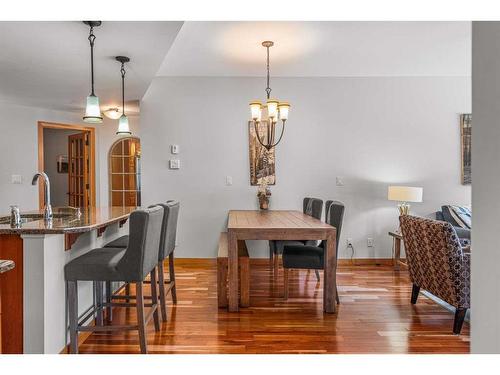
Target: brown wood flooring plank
x,y
375,316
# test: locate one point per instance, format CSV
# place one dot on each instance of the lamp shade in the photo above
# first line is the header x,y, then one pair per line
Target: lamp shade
x,y
123,127
113,113
272,108
284,108
92,110
256,110
405,193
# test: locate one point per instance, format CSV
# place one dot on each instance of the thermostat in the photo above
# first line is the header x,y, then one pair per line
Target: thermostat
x,y
174,163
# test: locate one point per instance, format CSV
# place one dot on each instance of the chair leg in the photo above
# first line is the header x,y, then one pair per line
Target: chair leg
x,y
171,276
317,275
161,286
154,299
337,298
459,320
276,264
141,324
109,309
271,251
73,315
285,281
414,293
99,300
127,289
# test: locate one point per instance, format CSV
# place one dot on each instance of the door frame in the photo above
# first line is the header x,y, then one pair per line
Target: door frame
x,y
54,125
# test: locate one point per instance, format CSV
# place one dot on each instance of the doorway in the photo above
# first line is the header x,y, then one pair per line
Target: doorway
x,y
67,154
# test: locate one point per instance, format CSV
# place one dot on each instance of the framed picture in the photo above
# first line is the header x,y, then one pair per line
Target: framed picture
x,y
62,164
262,162
465,145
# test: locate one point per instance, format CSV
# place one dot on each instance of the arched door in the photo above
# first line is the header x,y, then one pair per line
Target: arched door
x,y
125,172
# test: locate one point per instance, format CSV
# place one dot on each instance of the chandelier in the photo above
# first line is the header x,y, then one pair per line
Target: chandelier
x,y
274,111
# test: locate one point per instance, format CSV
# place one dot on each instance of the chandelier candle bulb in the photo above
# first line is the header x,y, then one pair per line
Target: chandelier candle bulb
x,y
256,110
272,108
283,110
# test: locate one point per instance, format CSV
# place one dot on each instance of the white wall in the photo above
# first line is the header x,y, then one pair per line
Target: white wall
x,y
371,131
485,156
19,152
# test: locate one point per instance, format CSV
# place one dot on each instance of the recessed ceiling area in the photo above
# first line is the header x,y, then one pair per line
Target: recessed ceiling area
x,y
321,49
47,64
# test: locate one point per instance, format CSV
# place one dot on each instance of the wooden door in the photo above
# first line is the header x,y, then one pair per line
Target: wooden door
x,y
79,170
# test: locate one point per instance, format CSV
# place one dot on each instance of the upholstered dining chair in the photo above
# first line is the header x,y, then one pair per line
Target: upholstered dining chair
x,y
437,263
304,256
310,206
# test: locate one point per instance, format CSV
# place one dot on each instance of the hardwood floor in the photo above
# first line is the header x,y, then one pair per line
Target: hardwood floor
x,y
375,316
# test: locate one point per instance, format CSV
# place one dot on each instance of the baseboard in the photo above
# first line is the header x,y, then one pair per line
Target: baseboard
x,y
341,262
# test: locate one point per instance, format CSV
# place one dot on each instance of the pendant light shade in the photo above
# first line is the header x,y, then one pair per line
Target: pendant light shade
x,y
123,127
92,109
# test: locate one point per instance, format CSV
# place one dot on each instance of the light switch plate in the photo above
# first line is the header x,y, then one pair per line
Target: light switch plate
x,y
339,181
229,181
16,179
174,149
174,163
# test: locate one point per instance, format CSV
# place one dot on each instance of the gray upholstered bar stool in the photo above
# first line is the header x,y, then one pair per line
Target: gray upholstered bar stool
x,y
131,264
167,247
310,206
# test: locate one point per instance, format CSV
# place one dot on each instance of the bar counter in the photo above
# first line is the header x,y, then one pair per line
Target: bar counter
x,y
33,296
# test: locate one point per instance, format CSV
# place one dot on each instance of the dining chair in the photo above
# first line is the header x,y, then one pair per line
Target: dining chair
x,y
304,256
310,206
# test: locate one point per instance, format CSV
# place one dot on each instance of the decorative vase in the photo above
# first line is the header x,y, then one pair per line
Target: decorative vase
x,y
264,196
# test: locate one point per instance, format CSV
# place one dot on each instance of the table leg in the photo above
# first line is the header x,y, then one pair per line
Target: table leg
x,y
397,253
330,278
233,271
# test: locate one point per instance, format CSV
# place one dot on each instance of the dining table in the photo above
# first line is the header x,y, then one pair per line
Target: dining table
x,y
280,225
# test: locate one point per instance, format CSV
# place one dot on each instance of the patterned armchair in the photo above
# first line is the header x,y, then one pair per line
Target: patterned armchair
x,y
437,263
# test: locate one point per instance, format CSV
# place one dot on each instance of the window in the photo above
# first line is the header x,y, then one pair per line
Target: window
x,y
125,172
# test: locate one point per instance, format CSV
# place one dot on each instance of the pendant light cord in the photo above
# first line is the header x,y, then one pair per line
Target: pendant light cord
x,y
91,41
122,71
268,89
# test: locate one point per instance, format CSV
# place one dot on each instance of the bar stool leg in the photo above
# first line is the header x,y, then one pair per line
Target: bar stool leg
x,y
109,309
171,276
99,299
161,285
73,315
154,298
285,282
141,324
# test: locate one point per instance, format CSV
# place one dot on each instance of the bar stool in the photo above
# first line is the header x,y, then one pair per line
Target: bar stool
x,y
167,247
131,265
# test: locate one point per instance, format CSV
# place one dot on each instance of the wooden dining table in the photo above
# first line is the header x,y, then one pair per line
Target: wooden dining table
x,y
280,225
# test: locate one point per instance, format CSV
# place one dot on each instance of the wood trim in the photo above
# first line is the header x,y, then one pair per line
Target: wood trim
x,y
11,296
53,125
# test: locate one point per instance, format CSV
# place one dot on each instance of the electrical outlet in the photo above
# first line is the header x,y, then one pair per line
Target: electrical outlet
x,y
369,242
16,179
349,242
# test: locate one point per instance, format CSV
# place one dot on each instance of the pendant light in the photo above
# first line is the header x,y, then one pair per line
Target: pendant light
x,y
275,110
123,127
92,109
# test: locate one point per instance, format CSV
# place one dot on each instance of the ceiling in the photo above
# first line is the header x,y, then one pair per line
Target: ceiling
x,y
47,64
321,49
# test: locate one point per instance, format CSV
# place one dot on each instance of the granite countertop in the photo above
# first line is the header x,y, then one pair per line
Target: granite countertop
x,y
65,221
6,265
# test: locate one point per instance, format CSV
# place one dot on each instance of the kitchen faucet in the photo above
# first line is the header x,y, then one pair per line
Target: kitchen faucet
x,y
47,210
